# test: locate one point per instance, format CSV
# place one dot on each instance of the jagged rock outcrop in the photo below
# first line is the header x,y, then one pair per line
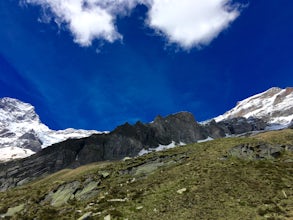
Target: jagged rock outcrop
x,y
31,141
241,125
180,127
125,141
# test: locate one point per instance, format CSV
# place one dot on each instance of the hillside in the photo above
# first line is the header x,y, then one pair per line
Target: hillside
x,y
228,178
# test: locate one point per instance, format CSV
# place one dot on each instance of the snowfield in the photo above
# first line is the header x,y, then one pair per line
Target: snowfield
x,y
275,106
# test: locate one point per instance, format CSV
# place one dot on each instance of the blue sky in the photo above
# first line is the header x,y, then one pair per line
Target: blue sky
x,y
100,65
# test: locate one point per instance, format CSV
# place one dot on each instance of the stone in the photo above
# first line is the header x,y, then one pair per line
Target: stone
x,y
86,216
256,151
181,191
105,174
63,194
107,217
146,169
118,200
12,211
87,192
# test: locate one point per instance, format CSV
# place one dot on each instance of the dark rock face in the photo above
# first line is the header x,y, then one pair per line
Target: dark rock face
x,y
125,140
242,125
216,130
180,127
31,141
5,133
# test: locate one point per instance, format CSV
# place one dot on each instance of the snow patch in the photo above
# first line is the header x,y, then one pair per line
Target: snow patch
x,y
160,148
10,153
205,140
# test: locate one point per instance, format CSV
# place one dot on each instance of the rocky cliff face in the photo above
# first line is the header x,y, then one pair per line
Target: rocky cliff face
x,y
126,140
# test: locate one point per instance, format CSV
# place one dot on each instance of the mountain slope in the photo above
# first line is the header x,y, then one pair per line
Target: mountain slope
x,y
199,181
274,106
22,133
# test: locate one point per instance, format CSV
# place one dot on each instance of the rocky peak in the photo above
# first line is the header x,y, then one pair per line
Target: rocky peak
x,y
180,116
181,126
22,133
274,106
13,110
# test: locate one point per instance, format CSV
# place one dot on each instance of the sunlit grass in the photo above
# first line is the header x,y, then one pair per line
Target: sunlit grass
x,y
198,181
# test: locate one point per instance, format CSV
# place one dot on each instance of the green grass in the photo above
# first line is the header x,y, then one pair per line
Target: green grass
x,y
217,187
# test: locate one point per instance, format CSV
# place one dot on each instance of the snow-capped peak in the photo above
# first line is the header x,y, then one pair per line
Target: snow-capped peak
x,y
12,110
275,106
22,133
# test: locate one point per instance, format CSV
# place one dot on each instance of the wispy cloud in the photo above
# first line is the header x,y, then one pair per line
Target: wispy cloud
x,y
188,23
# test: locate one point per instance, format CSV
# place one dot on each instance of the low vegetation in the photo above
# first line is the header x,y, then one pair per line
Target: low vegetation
x,y
197,181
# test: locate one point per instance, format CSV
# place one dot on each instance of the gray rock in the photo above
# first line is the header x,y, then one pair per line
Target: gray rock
x,y
5,133
12,211
216,130
63,194
86,216
242,125
88,191
257,151
31,141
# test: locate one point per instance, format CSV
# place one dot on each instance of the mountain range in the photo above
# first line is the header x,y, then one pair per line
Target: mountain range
x,y
22,133
245,173
20,122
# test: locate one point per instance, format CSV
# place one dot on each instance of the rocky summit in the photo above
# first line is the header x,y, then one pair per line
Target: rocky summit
x,y
274,106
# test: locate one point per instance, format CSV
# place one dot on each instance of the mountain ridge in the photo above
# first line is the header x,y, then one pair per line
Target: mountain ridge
x,y
22,133
274,106
126,141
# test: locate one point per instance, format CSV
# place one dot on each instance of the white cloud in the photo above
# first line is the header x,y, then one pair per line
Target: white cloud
x,y
187,23
191,23
87,19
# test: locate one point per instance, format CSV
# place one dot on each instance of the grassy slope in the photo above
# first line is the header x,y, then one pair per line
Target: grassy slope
x,y
147,187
